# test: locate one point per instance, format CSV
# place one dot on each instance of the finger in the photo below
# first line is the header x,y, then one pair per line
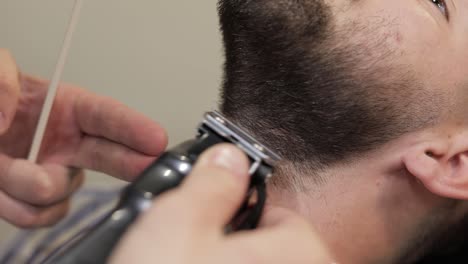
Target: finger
x,y
9,89
26,216
36,185
109,119
282,230
217,186
111,158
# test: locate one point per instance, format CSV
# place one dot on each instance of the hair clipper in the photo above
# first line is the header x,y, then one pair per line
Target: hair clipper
x,y
167,173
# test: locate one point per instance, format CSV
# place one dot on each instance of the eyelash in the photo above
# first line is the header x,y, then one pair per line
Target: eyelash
x,y
442,6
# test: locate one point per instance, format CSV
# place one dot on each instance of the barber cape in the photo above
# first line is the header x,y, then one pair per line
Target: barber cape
x,y
89,206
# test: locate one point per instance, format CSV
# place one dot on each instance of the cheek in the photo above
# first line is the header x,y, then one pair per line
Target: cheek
x,y
421,47
429,53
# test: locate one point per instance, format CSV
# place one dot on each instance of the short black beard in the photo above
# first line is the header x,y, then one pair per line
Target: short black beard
x,y
302,87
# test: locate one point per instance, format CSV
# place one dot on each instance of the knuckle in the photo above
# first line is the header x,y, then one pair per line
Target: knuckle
x,y
44,191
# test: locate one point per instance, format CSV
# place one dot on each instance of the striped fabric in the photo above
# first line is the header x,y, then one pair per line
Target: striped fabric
x,y
33,246
89,206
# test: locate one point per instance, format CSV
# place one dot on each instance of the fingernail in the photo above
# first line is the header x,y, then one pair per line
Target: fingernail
x,y
230,158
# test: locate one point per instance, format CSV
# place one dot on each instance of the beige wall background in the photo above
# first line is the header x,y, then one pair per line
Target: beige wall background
x,y
162,58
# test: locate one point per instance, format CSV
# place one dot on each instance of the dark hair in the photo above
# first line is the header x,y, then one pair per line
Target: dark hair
x,y
295,80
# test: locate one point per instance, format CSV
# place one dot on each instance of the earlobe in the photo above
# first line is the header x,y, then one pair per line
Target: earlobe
x,y
442,167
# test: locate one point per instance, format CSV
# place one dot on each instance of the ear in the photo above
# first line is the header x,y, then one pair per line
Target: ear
x,y
441,164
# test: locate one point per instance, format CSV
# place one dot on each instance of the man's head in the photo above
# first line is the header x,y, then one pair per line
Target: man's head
x,y
365,101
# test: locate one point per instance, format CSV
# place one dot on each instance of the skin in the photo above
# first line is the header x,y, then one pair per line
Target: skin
x,y
85,131
383,199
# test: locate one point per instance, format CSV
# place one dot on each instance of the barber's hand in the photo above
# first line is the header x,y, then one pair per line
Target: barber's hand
x,y
84,131
186,225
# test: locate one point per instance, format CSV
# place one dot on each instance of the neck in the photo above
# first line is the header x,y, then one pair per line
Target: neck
x,y
357,211
331,209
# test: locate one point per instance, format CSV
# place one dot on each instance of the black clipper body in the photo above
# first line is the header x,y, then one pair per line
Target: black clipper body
x,y
166,173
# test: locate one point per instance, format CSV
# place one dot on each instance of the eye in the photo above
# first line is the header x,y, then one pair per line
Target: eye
x,y
442,7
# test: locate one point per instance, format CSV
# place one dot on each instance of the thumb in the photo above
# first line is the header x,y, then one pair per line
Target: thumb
x,y
217,186
9,89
